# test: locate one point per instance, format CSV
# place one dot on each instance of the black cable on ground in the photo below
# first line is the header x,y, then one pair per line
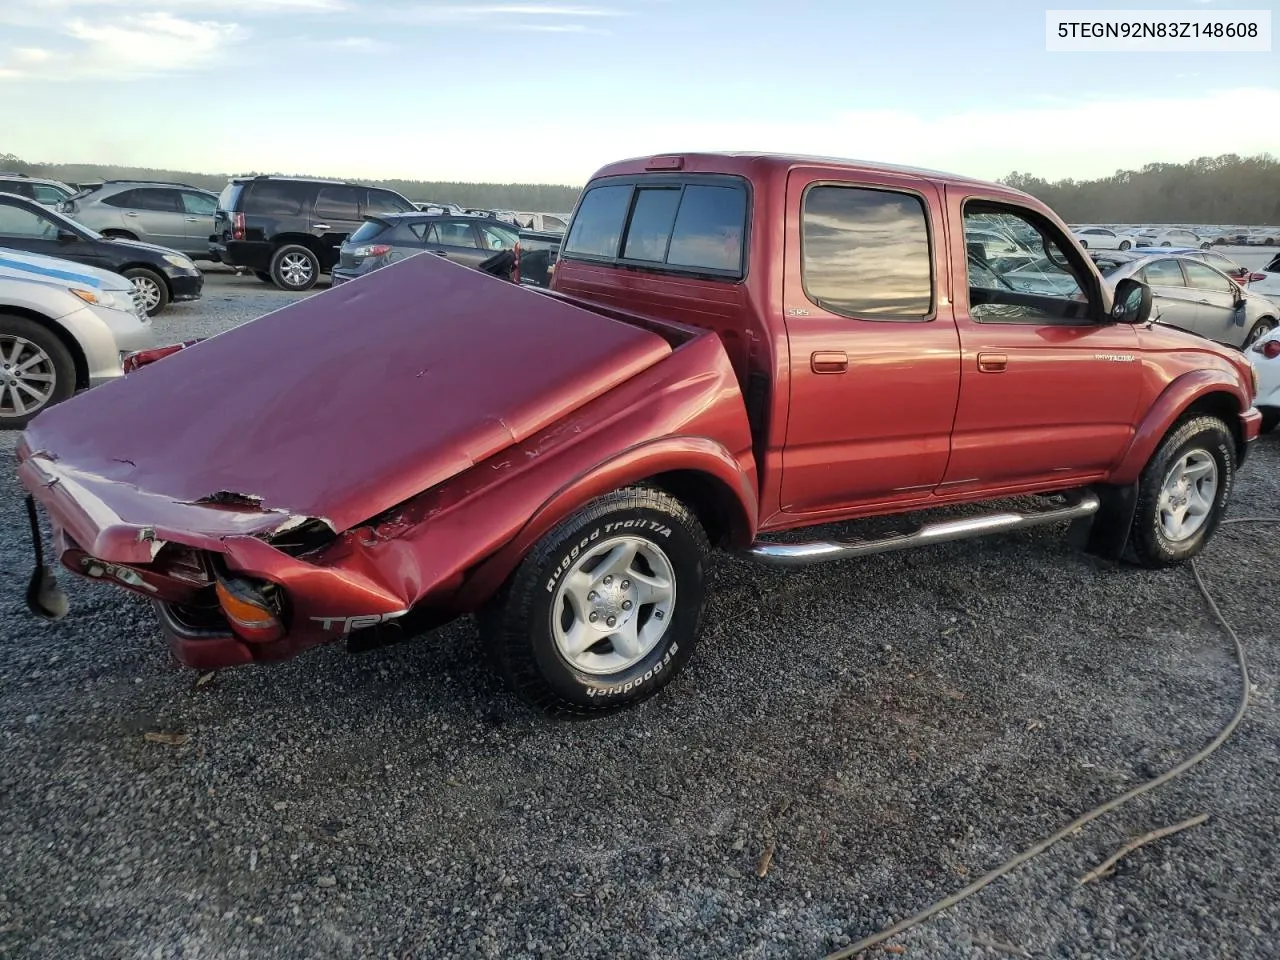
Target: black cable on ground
x,y
1012,864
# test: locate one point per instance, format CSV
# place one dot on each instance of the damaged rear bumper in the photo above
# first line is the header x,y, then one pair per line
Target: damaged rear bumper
x,y
177,557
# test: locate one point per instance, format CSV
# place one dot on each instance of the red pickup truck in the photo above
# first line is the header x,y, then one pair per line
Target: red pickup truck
x,y
733,346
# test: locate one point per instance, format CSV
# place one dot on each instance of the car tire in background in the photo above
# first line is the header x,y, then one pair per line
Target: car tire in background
x,y
151,287
294,267
1125,245
1260,329
264,276
1183,492
31,354
1084,244
606,608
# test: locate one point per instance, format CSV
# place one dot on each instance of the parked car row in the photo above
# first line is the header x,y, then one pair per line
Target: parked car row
x,y
291,230
1126,236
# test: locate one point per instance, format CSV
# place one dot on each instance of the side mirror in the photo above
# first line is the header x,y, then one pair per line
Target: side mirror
x,y
1132,303
66,236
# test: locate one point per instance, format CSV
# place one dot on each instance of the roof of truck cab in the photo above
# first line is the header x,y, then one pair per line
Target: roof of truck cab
x,y
756,162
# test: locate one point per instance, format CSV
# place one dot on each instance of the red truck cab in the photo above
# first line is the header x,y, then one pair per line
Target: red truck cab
x,y
874,381
733,345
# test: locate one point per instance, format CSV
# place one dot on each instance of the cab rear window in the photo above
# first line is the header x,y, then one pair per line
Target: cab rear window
x,y
690,225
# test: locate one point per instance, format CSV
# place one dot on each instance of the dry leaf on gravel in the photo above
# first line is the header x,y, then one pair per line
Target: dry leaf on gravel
x,y
169,739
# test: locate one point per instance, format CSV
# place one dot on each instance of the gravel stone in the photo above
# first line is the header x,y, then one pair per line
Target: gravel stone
x,y
893,727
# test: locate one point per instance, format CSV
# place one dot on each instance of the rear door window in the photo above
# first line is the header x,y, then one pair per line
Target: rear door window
x,y
453,233
1164,273
865,253
198,204
337,203
160,201
384,201
126,199
277,198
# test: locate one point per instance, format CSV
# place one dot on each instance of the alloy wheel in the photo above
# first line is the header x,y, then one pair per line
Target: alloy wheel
x,y
295,269
614,605
27,377
1187,495
149,292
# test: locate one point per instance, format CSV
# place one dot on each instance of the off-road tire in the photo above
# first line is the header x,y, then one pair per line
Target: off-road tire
x,y
278,265
64,367
1148,543
517,624
157,282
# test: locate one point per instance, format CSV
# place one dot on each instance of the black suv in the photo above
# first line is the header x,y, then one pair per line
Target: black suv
x,y
287,230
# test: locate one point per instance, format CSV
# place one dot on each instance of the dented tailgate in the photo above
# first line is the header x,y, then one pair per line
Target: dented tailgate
x,y
333,408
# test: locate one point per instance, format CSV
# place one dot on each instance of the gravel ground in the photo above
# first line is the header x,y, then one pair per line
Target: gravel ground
x,y
890,728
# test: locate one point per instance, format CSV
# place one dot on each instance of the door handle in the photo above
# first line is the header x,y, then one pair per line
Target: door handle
x,y
320,226
992,362
193,219
441,253
829,361
130,213
1205,302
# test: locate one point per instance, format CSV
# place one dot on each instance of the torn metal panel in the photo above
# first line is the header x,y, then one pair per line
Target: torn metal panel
x,y
351,401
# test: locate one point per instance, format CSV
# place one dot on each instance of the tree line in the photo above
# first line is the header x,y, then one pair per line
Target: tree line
x,y
537,197
1229,190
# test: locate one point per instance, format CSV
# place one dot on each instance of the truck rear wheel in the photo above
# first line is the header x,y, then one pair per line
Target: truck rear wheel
x,y
1183,492
606,608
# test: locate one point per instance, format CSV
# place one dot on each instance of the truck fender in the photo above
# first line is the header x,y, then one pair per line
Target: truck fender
x,y
730,487
1172,403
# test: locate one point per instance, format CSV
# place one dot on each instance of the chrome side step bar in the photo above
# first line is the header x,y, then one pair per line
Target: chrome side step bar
x,y
1078,505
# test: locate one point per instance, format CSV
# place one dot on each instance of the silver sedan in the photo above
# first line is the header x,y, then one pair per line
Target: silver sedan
x,y
1192,295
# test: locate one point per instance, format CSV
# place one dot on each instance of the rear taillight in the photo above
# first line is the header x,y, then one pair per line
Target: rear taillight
x,y
250,609
371,250
1271,349
1255,277
237,226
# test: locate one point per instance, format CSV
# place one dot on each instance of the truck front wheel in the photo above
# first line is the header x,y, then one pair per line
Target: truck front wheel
x,y
1183,492
606,608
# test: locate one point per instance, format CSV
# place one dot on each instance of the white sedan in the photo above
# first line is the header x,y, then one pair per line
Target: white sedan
x,y
1170,237
1100,238
1265,357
